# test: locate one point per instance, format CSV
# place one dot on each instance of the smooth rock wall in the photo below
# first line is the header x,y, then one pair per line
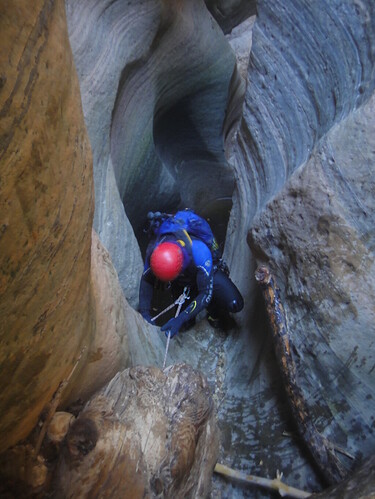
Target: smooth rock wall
x,y
231,13
46,209
62,310
180,108
317,235
297,88
154,79
311,64
109,351
104,36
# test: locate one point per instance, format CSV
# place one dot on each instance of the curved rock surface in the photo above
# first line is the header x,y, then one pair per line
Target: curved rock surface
x,y
300,82
316,234
61,308
46,214
231,13
310,66
160,91
109,351
154,79
297,88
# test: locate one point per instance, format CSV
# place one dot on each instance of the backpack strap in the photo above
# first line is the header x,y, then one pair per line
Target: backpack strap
x,y
183,238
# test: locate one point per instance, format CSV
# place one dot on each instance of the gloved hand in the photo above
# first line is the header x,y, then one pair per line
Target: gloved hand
x,y
172,326
147,317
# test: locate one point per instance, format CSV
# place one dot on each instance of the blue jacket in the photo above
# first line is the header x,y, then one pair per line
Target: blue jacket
x,y
197,265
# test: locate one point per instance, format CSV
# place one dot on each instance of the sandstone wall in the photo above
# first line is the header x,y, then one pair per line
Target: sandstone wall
x,y
154,79
58,312
231,13
46,213
311,65
317,236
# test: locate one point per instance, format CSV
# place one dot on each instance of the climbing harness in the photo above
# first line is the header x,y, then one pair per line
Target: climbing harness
x,y
179,302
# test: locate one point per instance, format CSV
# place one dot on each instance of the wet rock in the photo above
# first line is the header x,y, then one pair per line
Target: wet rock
x,y
298,88
316,236
361,484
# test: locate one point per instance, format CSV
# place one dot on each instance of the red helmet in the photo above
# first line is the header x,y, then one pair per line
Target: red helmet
x,y
166,261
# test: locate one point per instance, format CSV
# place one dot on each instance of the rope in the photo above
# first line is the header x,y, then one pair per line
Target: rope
x,y
165,310
180,301
166,350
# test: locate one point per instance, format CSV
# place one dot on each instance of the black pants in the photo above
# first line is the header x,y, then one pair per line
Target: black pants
x,y
225,297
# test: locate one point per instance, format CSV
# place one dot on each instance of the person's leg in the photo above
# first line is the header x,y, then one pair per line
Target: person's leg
x,y
226,299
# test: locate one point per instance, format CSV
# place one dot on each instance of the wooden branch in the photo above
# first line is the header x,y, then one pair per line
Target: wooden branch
x,y
334,447
320,448
275,484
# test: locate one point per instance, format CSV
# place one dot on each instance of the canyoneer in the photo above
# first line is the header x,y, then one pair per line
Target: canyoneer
x,y
183,255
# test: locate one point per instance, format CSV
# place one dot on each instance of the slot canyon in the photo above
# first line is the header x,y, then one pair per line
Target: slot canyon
x,y
258,115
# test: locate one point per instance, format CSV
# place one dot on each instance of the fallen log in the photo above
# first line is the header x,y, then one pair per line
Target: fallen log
x,y
321,450
148,433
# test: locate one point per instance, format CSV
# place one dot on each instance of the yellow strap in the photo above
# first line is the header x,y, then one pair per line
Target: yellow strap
x,y
187,235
